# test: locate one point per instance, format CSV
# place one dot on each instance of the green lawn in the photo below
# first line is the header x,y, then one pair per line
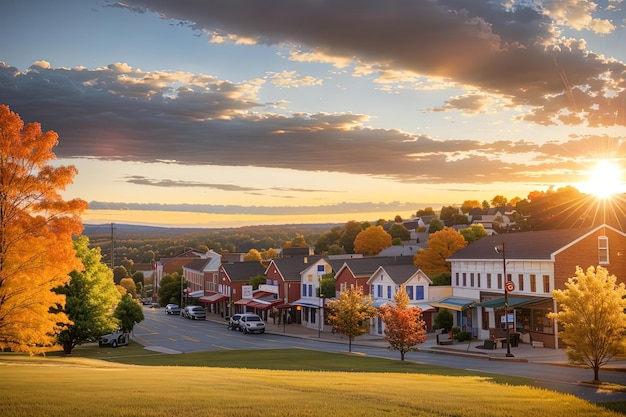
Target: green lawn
x,y
131,381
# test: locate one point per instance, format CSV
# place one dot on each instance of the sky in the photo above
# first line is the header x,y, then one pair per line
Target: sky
x,y
206,113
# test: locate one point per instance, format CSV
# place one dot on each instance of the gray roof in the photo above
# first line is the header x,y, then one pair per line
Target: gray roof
x,y
243,271
291,267
400,273
197,264
539,245
368,265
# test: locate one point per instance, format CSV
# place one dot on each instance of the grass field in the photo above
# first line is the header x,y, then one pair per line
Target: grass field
x,y
131,381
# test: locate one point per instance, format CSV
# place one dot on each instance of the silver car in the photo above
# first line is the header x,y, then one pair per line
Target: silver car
x,y
172,309
250,323
114,339
194,313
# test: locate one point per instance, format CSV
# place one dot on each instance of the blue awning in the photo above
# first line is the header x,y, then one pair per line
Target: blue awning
x,y
455,303
306,303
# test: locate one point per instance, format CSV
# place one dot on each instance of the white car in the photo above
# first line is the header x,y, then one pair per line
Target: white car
x,y
194,313
172,309
114,339
250,323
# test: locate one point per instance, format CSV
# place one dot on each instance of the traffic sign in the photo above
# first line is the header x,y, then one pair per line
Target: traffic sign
x,y
509,286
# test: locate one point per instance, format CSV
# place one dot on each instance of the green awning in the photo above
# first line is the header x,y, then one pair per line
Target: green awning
x,y
454,303
513,302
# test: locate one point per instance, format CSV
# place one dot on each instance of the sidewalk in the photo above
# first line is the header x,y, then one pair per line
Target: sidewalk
x,y
522,353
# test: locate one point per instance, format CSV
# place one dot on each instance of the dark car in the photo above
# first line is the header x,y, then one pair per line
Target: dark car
x,y
233,322
114,339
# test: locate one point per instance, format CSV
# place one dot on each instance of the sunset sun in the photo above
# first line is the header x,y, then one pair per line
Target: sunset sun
x,y
605,179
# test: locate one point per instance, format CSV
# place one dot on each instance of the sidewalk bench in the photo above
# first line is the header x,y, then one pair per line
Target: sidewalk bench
x,y
444,339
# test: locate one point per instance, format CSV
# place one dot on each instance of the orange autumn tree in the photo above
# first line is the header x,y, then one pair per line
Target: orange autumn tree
x,y
36,229
404,327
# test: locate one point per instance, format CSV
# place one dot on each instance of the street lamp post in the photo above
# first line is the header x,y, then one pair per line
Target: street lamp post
x,y
500,249
319,314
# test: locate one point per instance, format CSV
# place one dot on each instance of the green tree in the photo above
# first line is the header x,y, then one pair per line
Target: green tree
x,y
90,296
350,313
170,289
36,229
435,225
120,272
372,240
404,327
397,230
441,245
350,231
336,250
473,233
327,285
138,277
128,312
257,280
441,278
447,214
444,319
592,318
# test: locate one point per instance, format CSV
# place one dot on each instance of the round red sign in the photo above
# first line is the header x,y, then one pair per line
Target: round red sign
x,y
509,286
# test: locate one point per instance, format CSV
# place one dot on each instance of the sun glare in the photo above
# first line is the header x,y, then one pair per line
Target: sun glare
x,y
604,180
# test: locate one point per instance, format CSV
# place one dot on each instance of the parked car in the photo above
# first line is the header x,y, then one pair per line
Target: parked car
x,y
250,323
233,322
194,313
115,339
172,309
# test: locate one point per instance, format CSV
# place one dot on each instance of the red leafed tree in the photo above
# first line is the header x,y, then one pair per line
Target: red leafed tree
x,y
36,229
404,327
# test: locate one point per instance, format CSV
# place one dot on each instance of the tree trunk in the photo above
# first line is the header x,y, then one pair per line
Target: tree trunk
x,y
350,344
596,373
401,355
67,347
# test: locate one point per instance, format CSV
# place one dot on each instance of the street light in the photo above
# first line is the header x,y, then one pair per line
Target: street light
x,y
500,249
319,314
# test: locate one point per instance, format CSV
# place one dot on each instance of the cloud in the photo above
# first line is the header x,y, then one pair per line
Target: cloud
x,y
514,51
121,113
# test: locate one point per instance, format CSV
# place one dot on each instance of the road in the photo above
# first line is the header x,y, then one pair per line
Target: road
x,y
182,335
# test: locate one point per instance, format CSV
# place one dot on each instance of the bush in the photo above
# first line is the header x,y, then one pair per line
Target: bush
x,y
463,336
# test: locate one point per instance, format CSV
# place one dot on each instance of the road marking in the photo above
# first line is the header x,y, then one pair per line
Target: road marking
x,y
171,339
190,339
222,347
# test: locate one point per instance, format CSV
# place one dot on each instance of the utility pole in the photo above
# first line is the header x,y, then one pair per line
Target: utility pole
x,y
112,248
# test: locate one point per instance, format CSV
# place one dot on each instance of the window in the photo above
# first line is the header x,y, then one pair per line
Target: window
x,y
464,279
304,290
499,281
419,292
389,292
488,280
533,283
310,290
478,279
409,292
520,282
320,268
472,279
380,291
457,279
603,250
546,283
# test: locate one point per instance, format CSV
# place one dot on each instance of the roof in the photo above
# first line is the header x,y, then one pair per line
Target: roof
x,y
367,266
400,273
539,245
290,268
243,271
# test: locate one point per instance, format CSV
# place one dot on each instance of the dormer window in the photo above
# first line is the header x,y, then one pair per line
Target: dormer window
x,y
603,250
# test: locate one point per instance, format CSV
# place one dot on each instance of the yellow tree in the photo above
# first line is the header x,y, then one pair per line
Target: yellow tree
x,y
36,229
253,255
350,312
404,327
372,240
592,318
441,245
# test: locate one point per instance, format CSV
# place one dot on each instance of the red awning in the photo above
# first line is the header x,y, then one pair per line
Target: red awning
x,y
212,299
244,302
